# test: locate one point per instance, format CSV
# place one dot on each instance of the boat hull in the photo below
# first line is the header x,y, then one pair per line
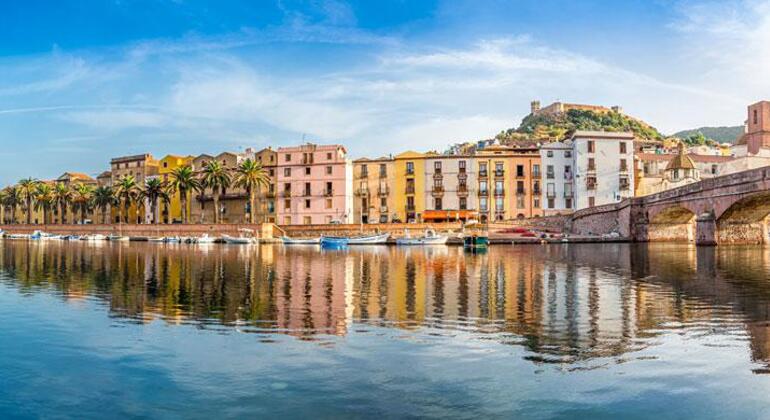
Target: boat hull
x,y
296,241
438,240
369,239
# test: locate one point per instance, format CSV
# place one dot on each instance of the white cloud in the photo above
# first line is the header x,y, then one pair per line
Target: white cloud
x,y
113,120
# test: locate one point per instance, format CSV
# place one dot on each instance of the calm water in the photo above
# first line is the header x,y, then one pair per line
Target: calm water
x,y
152,330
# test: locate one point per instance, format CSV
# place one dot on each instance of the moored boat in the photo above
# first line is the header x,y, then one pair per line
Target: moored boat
x,y
239,240
476,241
93,237
204,239
376,239
117,238
300,241
332,242
429,238
156,239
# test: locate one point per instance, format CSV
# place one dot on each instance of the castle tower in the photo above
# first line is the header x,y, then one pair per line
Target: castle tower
x,y
534,106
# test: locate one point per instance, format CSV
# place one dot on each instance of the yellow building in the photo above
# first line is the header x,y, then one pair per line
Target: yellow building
x,y
372,181
509,183
408,186
172,212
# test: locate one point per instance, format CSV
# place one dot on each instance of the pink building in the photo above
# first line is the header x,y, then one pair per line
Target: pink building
x,y
314,185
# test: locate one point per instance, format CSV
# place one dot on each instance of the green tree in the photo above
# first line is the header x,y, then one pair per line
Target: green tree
x,y
28,187
127,191
215,177
154,190
44,200
251,176
62,199
81,199
12,200
183,180
103,198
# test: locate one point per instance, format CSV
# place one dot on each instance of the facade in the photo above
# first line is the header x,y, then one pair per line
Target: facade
x,y
315,185
171,212
757,134
451,191
372,180
408,186
140,167
268,158
233,201
603,167
509,183
558,178
69,179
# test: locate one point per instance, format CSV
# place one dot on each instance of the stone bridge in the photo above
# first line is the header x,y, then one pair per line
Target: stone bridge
x,y
730,209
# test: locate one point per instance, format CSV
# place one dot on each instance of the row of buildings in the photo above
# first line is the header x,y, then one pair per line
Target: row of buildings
x,y
320,184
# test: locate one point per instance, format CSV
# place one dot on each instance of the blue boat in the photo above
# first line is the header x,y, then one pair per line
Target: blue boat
x,y
332,242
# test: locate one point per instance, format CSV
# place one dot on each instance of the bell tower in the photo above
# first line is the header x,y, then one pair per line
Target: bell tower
x,y
758,126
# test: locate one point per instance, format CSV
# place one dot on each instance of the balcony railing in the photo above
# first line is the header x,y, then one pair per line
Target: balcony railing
x,y
483,193
286,193
410,207
383,174
536,190
383,209
306,193
438,191
520,191
567,193
362,191
328,193
483,174
410,171
551,194
383,190
499,173
500,191
363,175
462,191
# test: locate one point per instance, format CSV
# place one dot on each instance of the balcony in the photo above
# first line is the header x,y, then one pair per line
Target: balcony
x,y
438,175
499,173
519,174
383,209
410,171
567,193
462,191
520,191
483,174
270,194
438,191
306,193
462,175
410,208
499,192
591,183
362,192
624,184
328,193
286,193
549,175
536,190
383,190
383,174
551,194
410,189
483,193
363,175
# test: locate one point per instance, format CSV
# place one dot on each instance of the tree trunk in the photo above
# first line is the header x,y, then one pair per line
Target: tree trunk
x,y
29,211
153,207
183,200
216,208
252,207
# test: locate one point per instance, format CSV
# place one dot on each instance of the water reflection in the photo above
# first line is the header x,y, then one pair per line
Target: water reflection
x,y
564,304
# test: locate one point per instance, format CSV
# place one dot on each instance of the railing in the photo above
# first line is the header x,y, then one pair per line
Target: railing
x,y
383,174
437,191
483,193
383,190
483,174
410,208
567,194
383,209
362,191
410,171
500,191
286,193
520,191
328,193
306,193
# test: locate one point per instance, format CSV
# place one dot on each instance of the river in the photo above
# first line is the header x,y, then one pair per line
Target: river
x,y
95,330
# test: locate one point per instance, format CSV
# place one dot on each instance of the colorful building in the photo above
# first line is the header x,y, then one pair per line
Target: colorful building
x,y
315,185
451,188
508,183
268,158
373,201
141,167
409,186
171,212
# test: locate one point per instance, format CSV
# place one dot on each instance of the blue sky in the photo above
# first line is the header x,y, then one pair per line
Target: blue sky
x,y
82,81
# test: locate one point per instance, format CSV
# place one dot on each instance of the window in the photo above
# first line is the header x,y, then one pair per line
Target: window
x,y
461,166
328,156
591,164
498,169
519,187
287,204
307,189
623,165
499,187
623,147
567,172
328,170
328,203
383,202
437,167
307,220
568,153
549,153
307,204
463,203
437,203
520,202
287,187
590,146
287,220
364,171
288,157
364,205
568,203
383,170
483,187
568,190
756,119
287,172
549,172
482,169
499,205
591,201
410,203
410,186
591,182
271,172
483,204
165,164
713,169
329,188
550,189
409,168
536,203
307,170
519,170
550,203
437,184
536,187
536,171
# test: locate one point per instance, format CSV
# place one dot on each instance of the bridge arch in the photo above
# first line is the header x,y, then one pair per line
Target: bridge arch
x,y
674,223
745,220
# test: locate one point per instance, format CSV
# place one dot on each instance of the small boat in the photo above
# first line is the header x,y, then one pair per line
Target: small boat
x,y
156,239
204,239
239,240
332,242
476,241
300,241
117,238
172,240
429,238
17,236
381,238
36,235
93,237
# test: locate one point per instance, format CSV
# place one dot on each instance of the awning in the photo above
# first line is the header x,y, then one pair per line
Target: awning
x,y
449,215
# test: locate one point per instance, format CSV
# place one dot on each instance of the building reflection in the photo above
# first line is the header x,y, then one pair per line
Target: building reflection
x,y
563,304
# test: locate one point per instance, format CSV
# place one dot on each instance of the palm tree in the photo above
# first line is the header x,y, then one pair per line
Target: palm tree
x,y
251,176
81,199
154,189
3,199
12,200
103,197
183,180
216,177
28,186
62,199
126,191
44,200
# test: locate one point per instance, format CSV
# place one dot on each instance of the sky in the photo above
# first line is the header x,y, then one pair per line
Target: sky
x,y
84,81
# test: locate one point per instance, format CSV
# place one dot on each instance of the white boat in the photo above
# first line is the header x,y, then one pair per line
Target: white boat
x,y
300,241
156,239
204,239
93,237
429,238
376,239
239,240
172,239
17,236
117,238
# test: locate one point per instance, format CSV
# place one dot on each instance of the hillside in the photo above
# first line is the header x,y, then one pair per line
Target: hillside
x,y
551,127
718,134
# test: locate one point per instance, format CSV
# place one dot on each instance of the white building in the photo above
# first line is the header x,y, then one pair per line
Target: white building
x,y
450,183
557,178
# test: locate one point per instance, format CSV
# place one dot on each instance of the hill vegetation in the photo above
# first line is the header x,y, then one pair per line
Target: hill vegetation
x,y
717,134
